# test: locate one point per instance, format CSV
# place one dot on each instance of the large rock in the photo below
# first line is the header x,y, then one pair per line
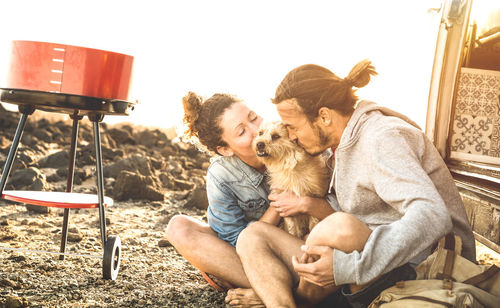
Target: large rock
x,y
4,142
79,176
156,163
168,150
174,167
86,155
25,158
166,180
135,163
12,301
131,185
26,177
197,198
182,185
57,134
121,136
26,155
152,138
107,142
30,179
29,140
56,160
43,135
8,119
37,209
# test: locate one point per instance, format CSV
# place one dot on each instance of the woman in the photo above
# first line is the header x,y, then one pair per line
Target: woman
x,y
237,188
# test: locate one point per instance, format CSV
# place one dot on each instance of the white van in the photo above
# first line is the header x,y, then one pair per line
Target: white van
x,y
463,115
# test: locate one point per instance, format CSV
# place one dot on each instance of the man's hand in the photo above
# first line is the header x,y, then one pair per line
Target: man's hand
x,y
315,265
286,203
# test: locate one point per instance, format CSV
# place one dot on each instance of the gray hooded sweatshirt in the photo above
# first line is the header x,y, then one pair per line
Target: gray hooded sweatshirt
x,y
391,177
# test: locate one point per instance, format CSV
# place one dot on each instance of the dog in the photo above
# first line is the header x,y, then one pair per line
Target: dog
x,y
291,168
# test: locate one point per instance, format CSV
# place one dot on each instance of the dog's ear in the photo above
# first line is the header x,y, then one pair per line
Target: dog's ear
x,y
283,129
224,151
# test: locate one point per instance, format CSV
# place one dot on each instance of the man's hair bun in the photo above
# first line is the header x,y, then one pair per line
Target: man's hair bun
x,y
360,74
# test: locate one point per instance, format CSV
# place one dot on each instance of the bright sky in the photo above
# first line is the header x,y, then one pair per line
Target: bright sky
x,y
240,47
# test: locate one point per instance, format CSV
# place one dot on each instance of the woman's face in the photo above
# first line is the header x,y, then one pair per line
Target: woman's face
x,y
240,126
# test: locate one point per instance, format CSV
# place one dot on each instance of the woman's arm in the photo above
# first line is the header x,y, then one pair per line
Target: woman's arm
x,y
271,216
224,215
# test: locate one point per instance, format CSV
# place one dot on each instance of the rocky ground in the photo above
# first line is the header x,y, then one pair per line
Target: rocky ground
x,y
152,274
150,177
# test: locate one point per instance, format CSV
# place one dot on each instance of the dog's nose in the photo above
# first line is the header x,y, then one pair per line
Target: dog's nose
x,y
261,145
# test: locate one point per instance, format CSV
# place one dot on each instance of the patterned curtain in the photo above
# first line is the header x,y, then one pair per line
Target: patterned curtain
x,y
476,122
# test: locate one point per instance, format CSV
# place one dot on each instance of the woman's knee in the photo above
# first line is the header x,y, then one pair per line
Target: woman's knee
x,y
179,228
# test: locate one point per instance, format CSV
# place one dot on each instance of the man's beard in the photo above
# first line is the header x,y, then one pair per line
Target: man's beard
x,y
323,140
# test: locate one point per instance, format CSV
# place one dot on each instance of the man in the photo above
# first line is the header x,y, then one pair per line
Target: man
x,y
394,198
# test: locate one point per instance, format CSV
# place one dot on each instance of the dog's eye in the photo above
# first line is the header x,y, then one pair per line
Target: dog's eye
x,y
275,136
261,133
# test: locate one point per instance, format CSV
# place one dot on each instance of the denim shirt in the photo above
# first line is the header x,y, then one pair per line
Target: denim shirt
x,y
237,195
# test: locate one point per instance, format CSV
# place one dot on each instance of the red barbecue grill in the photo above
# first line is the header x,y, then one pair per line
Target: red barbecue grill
x,y
80,82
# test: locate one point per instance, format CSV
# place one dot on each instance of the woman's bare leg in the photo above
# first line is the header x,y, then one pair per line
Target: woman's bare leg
x,y
198,244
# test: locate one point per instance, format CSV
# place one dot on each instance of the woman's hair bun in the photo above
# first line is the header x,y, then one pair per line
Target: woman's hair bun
x,y
192,106
360,74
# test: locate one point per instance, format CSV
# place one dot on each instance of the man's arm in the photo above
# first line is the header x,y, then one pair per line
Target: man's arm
x,y
401,182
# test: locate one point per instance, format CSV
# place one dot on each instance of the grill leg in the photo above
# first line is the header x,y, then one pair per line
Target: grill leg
x,y
69,182
26,111
100,183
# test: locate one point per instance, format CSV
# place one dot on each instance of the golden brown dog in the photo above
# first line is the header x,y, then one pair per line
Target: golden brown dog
x,y
291,168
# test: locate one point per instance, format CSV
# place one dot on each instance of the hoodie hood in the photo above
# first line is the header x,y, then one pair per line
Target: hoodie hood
x,y
359,117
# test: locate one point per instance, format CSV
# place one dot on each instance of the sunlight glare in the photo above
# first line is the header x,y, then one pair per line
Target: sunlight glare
x,y
243,48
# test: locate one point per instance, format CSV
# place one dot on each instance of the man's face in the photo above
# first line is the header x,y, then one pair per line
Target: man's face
x,y
309,136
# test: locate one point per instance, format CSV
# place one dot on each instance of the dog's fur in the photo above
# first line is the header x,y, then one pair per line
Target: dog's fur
x,y
291,168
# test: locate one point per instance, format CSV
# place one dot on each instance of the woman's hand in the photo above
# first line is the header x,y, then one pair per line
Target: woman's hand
x,y
286,203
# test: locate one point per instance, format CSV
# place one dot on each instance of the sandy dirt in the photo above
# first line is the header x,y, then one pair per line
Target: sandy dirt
x,y
150,275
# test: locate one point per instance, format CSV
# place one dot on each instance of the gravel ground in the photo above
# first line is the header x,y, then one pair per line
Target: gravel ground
x,y
152,274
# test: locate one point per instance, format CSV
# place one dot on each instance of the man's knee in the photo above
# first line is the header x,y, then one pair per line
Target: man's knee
x,y
178,229
345,225
340,230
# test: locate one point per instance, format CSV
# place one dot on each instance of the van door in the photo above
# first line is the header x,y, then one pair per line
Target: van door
x,y
463,116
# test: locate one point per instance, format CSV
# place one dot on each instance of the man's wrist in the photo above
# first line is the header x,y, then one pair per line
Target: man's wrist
x,y
304,204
